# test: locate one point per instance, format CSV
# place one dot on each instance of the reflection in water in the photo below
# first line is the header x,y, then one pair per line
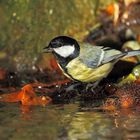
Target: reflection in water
x,y
92,125
97,125
26,112
67,122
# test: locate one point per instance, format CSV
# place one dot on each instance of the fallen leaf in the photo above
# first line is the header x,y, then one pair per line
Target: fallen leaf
x,y
27,96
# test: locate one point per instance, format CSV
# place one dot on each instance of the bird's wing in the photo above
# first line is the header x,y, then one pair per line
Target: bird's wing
x,y
94,56
112,55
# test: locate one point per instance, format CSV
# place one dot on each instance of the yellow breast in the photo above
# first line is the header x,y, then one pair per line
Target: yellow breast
x,y
81,72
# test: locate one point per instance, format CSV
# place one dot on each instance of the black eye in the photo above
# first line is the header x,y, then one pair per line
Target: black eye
x,y
56,44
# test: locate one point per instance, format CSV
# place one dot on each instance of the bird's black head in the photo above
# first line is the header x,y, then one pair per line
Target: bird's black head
x,y
64,48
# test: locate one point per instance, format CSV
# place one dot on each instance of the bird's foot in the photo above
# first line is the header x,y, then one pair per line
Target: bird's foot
x,y
92,86
73,86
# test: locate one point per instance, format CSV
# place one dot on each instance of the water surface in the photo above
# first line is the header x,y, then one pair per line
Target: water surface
x,y
67,122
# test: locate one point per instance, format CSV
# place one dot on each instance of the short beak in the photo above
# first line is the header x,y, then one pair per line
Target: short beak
x,y
47,50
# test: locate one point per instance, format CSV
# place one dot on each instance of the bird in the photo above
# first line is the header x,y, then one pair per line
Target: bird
x,y
83,62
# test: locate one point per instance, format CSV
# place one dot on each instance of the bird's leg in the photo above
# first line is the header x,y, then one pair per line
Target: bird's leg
x,y
92,86
73,86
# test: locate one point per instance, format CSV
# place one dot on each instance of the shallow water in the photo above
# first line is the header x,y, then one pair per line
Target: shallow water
x,y
67,122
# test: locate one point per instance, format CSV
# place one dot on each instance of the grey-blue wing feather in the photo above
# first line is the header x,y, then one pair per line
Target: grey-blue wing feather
x,y
112,58
112,55
94,56
90,55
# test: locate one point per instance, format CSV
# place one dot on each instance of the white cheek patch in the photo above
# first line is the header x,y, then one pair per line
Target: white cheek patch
x,y
65,51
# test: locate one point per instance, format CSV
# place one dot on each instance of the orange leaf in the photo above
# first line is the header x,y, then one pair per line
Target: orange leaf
x,y
126,102
110,9
12,97
27,96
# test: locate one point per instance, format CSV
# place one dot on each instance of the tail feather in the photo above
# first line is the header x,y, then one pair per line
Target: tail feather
x,y
132,53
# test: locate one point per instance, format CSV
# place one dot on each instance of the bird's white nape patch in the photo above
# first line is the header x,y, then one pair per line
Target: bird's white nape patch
x,y
65,51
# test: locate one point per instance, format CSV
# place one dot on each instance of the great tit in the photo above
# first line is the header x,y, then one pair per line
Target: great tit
x,y
84,62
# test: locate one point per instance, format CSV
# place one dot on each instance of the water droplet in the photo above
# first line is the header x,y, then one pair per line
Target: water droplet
x,y
40,87
43,98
